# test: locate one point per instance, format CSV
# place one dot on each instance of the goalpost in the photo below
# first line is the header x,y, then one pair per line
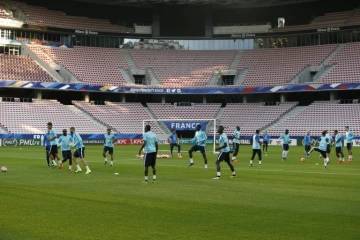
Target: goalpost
x,y
187,124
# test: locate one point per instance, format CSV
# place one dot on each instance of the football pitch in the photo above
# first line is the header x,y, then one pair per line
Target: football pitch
x,y
281,200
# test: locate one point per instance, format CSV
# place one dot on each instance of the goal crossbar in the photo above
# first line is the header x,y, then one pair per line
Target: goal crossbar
x,y
187,120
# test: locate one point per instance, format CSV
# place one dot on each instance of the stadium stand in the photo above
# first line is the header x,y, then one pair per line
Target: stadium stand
x,y
252,116
347,65
183,68
265,67
272,67
43,17
125,118
21,68
356,18
197,111
31,117
335,19
319,116
96,66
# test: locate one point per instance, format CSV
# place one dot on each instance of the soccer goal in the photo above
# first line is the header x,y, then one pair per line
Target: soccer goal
x,y
185,129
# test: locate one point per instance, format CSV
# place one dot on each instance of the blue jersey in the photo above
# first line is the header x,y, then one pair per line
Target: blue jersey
x,y
109,140
64,142
151,141
323,142
236,138
285,138
256,142
266,137
200,138
338,139
46,142
307,139
349,137
328,136
52,133
222,140
173,137
77,140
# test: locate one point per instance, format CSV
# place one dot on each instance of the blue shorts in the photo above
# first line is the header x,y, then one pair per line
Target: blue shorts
x,y
338,149
79,153
66,154
349,146
322,152
196,148
110,149
150,159
286,147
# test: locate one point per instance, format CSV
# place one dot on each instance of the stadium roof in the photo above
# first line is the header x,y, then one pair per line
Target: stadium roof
x,y
219,3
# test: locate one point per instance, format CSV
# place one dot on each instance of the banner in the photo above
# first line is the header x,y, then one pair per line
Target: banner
x,y
19,142
277,142
129,141
184,126
187,141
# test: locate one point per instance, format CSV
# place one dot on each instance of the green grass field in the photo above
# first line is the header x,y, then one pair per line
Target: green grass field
x,y
282,200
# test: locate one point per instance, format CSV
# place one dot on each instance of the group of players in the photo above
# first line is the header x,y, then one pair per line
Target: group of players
x,y
325,144
52,142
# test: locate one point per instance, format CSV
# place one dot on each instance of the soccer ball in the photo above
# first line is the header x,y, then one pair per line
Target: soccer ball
x,y
302,159
4,169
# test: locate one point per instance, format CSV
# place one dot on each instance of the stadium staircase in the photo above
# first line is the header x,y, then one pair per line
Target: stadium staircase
x,y
28,52
240,76
128,77
324,67
80,112
235,63
284,117
160,125
152,78
130,61
214,81
303,76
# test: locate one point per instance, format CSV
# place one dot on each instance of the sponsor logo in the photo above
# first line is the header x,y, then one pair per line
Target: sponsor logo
x,y
329,29
10,142
93,141
130,141
184,125
87,32
29,142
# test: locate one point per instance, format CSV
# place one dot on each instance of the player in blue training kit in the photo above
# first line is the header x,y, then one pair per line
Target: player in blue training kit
x,y
200,140
151,149
285,142
349,143
266,140
256,149
174,142
79,152
328,146
236,143
109,140
307,143
64,142
338,145
46,146
53,151
224,154
323,141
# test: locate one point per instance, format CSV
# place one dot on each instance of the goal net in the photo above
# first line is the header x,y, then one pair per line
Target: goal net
x,y
185,130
